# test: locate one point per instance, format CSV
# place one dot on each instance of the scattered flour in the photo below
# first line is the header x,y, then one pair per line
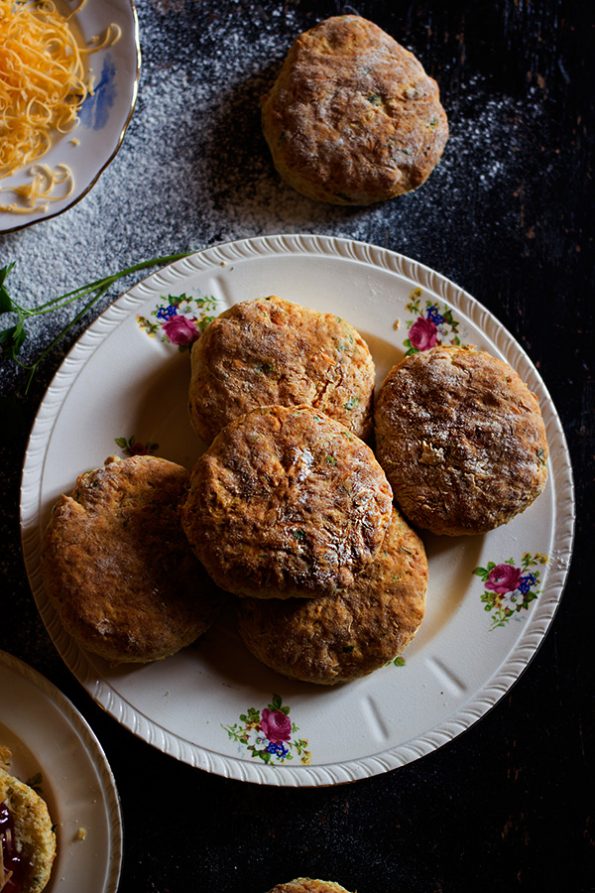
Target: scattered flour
x,y
194,168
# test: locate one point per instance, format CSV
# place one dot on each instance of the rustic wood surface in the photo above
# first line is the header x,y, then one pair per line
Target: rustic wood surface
x,y
508,216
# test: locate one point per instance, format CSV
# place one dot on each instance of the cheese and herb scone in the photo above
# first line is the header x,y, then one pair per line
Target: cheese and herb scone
x,y
461,439
353,118
286,503
274,352
344,636
27,838
117,567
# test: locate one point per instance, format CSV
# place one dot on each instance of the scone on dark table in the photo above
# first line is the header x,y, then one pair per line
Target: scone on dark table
x,y
462,440
27,838
117,567
286,503
274,352
308,885
341,637
353,118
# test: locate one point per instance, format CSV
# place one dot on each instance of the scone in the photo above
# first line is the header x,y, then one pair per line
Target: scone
x,y
27,839
462,440
117,567
353,118
308,885
341,637
286,503
270,351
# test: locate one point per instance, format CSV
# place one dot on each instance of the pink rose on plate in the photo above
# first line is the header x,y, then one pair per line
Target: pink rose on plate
x,y
503,578
181,330
423,334
276,725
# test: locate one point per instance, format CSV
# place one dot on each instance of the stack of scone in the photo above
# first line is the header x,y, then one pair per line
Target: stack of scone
x,y
288,508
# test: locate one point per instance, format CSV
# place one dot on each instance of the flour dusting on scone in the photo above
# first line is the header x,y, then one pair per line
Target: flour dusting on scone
x,y
354,632
117,567
353,118
462,440
286,503
270,351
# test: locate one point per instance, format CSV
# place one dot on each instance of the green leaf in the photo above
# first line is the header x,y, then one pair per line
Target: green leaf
x,y
399,661
11,340
121,442
481,572
490,565
6,305
277,701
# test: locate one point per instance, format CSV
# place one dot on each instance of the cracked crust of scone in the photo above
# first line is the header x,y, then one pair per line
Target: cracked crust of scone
x,y
341,637
286,503
353,118
117,567
270,351
462,440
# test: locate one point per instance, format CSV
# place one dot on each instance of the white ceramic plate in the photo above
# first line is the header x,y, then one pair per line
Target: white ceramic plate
x,y
47,735
203,706
104,116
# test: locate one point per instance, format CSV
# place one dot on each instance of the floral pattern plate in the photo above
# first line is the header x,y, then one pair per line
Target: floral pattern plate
x,y
104,117
54,749
122,389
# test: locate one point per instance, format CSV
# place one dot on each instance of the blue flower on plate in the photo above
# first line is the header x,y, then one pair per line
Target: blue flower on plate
x,y
95,110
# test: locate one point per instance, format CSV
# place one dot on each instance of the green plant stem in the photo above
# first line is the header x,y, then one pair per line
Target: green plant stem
x,y
96,289
32,367
70,296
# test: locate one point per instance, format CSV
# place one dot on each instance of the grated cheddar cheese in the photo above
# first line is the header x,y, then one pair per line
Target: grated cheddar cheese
x,y
43,83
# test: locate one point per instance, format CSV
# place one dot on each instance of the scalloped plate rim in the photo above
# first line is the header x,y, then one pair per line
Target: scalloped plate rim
x,y
529,639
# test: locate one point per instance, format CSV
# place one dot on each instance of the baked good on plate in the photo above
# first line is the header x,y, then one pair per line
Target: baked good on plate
x,y
271,351
286,502
462,440
341,637
353,118
308,885
117,567
27,838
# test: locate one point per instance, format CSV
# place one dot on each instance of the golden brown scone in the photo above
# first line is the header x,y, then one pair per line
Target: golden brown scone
x,y
118,568
286,502
353,118
461,439
341,637
309,885
270,351
27,839
5,757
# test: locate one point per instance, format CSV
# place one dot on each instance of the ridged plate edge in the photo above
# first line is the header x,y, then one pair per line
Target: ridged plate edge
x,y
561,475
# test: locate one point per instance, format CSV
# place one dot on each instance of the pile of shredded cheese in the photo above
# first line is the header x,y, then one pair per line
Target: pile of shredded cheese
x,y
43,83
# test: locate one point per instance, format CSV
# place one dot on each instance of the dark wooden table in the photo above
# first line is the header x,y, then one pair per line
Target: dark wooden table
x,y
508,216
